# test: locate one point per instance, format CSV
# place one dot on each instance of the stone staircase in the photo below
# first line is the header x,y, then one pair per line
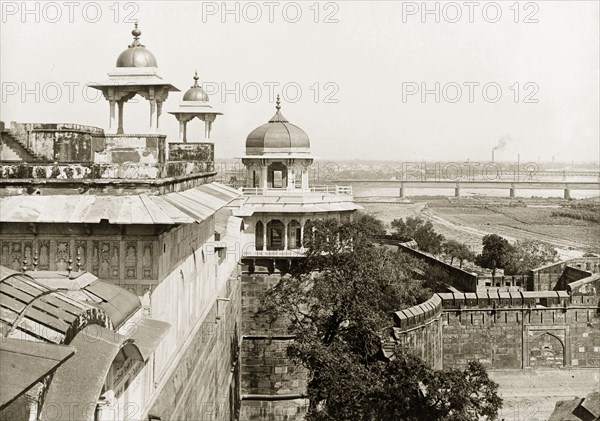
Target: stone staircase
x,y
13,149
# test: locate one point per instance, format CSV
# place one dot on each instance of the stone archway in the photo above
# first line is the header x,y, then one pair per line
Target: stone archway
x,y
259,235
294,234
546,351
277,175
275,235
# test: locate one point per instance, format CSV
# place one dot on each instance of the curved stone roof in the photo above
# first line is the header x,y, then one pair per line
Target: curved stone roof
x,y
195,93
136,54
277,136
50,307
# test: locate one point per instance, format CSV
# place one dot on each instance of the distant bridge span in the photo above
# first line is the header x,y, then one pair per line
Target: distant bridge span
x,y
512,186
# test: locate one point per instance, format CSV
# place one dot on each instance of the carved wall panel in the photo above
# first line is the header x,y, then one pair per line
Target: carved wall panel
x,y
127,260
131,260
147,256
43,254
63,253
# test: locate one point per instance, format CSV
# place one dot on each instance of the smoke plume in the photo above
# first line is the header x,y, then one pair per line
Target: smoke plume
x,y
502,142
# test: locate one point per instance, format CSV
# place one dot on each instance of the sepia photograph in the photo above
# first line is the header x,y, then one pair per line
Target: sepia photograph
x,y
353,210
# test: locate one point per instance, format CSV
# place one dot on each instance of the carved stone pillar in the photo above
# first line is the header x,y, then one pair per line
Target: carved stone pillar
x,y
120,103
305,179
159,104
291,178
112,117
264,176
181,131
265,227
208,120
152,115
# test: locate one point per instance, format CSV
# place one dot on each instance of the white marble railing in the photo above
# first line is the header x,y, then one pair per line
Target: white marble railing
x,y
331,190
251,252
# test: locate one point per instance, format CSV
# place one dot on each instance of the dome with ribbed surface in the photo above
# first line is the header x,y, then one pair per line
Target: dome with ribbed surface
x,y
195,93
277,136
136,54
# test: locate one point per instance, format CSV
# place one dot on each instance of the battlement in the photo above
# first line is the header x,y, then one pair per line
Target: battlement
x,y
493,300
418,315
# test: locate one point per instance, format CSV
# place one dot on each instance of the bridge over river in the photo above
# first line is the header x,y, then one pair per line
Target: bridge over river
x,y
511,186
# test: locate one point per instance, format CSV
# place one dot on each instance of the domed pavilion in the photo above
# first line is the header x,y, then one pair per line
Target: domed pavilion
x,y
278,200
194,104
135,74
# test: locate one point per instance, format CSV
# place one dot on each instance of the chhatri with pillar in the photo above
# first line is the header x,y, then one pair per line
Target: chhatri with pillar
x,y
136,73
278,199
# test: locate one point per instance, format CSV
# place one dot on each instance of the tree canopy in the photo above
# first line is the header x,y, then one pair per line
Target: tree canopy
x,y
496,254
458,251
530,254
515,259
338,303
421,231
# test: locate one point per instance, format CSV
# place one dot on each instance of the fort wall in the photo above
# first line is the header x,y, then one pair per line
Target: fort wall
x,y
586,286
419,328
205,383
502,329
516,330
570,274
505,283
272,385
547,277
463,280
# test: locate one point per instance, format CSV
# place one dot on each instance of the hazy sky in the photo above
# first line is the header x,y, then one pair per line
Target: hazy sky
x,y
360,68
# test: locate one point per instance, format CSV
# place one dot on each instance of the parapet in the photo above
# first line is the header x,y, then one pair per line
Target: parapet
x,y
492,299
418,315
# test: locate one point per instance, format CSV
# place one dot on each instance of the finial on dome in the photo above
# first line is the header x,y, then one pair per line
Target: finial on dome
x,y
196,78
136,36
278,117
136,31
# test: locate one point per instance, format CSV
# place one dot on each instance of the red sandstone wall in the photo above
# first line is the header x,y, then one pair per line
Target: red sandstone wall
x,y
547,277
419,329
461,279
502,330
520,330
272,385
586,286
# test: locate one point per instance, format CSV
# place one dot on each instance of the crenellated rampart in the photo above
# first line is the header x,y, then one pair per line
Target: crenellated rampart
x,y
503,330
419,328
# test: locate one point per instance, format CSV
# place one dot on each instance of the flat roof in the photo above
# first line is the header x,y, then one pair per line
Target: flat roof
x,y
189,206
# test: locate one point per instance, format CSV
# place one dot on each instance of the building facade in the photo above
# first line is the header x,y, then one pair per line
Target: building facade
x,y
277,204
142,214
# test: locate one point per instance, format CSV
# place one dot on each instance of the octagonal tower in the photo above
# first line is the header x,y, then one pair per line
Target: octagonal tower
x,y
278,199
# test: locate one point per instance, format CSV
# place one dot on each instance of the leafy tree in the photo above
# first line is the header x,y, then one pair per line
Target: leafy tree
x,y
496,254
530,254
461,395
369,222
421,231
338,302
457,250
404,388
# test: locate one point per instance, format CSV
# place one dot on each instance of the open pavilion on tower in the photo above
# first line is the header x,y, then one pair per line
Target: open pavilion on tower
x,y
278,199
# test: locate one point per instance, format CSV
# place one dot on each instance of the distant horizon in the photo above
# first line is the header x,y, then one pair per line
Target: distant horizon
x,y
220,158
362,79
